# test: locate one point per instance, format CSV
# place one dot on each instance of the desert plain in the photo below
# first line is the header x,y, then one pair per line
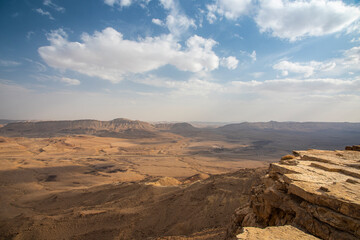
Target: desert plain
x,y
136,180
89,187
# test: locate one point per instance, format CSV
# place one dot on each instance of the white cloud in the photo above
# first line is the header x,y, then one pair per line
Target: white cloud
x,y
121,3
177,22
253,56
49,3
8,63
297,19
211,15
275,87
349,62
168,4
355,40
44,13
157,21
307,69
286,67
110,2
198,56
293,86
126,3
70,81
354,28
108,56
45,78
230,9
229,62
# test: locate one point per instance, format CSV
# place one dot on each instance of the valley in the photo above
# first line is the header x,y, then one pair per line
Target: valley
x,y
125,179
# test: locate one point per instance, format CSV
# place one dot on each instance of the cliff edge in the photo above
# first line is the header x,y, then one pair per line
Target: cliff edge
x,y
315,191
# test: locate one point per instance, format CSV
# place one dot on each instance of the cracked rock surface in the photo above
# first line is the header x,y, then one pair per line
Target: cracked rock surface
x,y
317,192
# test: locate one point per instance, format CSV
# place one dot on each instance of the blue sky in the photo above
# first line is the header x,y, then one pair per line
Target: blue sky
x,y
180,60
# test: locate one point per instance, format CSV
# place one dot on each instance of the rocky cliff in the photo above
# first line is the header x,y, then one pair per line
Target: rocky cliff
x,y
315,191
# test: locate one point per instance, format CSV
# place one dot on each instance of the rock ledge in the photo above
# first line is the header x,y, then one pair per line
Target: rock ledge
x,y
316,191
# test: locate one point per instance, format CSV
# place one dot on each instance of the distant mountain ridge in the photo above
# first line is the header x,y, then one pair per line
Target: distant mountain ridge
x,y
6,121
119,127
126,128
293,126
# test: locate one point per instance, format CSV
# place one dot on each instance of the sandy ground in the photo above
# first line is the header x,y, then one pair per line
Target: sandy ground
x,y
87,187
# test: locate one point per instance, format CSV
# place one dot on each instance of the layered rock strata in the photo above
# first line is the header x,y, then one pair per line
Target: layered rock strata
x,y
316,191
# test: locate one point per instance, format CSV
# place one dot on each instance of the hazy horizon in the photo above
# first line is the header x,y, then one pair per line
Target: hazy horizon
x,y
176,60
215,123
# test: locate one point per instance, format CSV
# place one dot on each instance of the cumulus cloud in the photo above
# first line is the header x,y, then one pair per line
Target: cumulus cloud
x,y
229,62
230,9
197,57
70,81
109,56
121,3
297,19
44,13
157,21
54,6
176,21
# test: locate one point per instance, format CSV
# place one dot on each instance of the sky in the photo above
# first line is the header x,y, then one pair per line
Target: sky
x,y
180,60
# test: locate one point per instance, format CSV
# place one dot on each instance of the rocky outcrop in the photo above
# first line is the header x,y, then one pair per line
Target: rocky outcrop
x,y
316,191
353,148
